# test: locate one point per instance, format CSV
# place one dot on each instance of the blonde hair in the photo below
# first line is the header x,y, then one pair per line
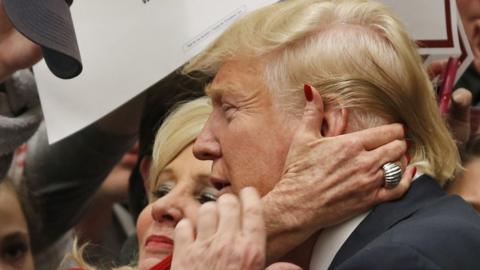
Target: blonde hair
x,y
178,131
357,54
76,256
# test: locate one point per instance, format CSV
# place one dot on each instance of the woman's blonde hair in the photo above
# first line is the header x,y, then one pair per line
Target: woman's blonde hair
x,y
357,54
177,131
77,257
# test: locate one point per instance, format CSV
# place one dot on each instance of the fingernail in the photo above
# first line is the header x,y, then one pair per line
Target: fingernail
x,y
414,171
408,158
307,89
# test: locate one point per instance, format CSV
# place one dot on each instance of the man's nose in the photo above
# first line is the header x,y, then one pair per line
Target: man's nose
x,y
206,146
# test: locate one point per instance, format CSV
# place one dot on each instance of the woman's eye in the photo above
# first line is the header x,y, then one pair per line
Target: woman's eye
x,y
14,252
207,197
159,193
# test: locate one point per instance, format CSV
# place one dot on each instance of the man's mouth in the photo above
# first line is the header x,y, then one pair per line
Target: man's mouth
x,y
222,185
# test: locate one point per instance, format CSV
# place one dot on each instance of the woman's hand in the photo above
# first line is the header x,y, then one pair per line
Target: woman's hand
x,y
229,235
330,179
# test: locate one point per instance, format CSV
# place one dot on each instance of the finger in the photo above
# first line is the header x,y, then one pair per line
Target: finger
x,y
228,215
283,266
252,216
436,68
390,152
385,194
183,236
372,138
207,221
313,114
461,103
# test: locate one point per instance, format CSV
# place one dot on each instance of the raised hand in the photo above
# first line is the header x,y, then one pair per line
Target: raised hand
x,y
229,235
16,51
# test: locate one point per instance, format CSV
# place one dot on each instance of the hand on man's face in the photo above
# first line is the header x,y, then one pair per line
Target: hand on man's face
x,y
16,51
327,180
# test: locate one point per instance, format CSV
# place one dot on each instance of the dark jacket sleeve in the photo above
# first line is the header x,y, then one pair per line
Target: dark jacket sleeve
x,y
61,178
389,256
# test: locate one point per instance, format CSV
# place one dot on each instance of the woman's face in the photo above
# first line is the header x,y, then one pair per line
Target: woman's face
x,y
182,186
247,136
470,13
15,253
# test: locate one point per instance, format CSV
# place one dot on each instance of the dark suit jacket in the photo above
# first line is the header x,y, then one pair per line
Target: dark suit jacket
x,y
426,229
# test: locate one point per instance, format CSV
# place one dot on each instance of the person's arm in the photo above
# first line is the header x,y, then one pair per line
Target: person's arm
x,y
61,178
16,51
328,180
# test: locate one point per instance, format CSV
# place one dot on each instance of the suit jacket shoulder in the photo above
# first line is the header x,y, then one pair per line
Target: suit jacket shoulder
x,y
427,229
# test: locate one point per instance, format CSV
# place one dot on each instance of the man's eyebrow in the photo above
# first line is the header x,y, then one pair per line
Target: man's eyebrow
x,y
209,90
212,90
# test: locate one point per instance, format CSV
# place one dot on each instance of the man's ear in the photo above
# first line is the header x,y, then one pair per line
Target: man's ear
x,y
335,122
145,171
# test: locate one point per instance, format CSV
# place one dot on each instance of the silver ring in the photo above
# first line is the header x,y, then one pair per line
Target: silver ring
x,y
392,174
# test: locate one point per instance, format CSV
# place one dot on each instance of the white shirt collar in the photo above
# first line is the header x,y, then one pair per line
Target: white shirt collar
x,y
331,240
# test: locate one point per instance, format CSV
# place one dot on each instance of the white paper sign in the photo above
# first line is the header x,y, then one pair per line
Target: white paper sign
x,y
127,46
432,23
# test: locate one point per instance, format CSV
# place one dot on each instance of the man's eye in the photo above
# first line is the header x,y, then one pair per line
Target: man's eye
x,y
207,197
228,110
14,252
226,107
159,193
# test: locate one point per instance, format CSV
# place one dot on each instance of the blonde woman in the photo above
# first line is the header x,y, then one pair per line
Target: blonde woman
x,y
347,65
177,184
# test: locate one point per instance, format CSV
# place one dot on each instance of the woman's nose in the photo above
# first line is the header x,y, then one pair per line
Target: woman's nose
x,y
167,210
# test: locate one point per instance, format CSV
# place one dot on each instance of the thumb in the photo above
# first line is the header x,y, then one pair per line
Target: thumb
x,y
461,102
314,112
283,266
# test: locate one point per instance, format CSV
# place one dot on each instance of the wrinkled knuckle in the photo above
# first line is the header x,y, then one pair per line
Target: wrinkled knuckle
x,y
253,210
229,201
355,142
255,257
236,256
222,249
364,165
366,183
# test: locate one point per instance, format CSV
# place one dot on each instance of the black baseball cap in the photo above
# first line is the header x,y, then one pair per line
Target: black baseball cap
x,y
49,24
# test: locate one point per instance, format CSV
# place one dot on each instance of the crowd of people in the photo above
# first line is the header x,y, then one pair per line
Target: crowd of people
x,y
306,136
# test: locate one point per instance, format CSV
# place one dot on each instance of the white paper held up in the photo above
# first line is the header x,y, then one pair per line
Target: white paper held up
x,y
127,46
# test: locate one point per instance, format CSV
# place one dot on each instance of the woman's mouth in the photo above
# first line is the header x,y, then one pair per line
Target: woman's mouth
x,y
159,243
